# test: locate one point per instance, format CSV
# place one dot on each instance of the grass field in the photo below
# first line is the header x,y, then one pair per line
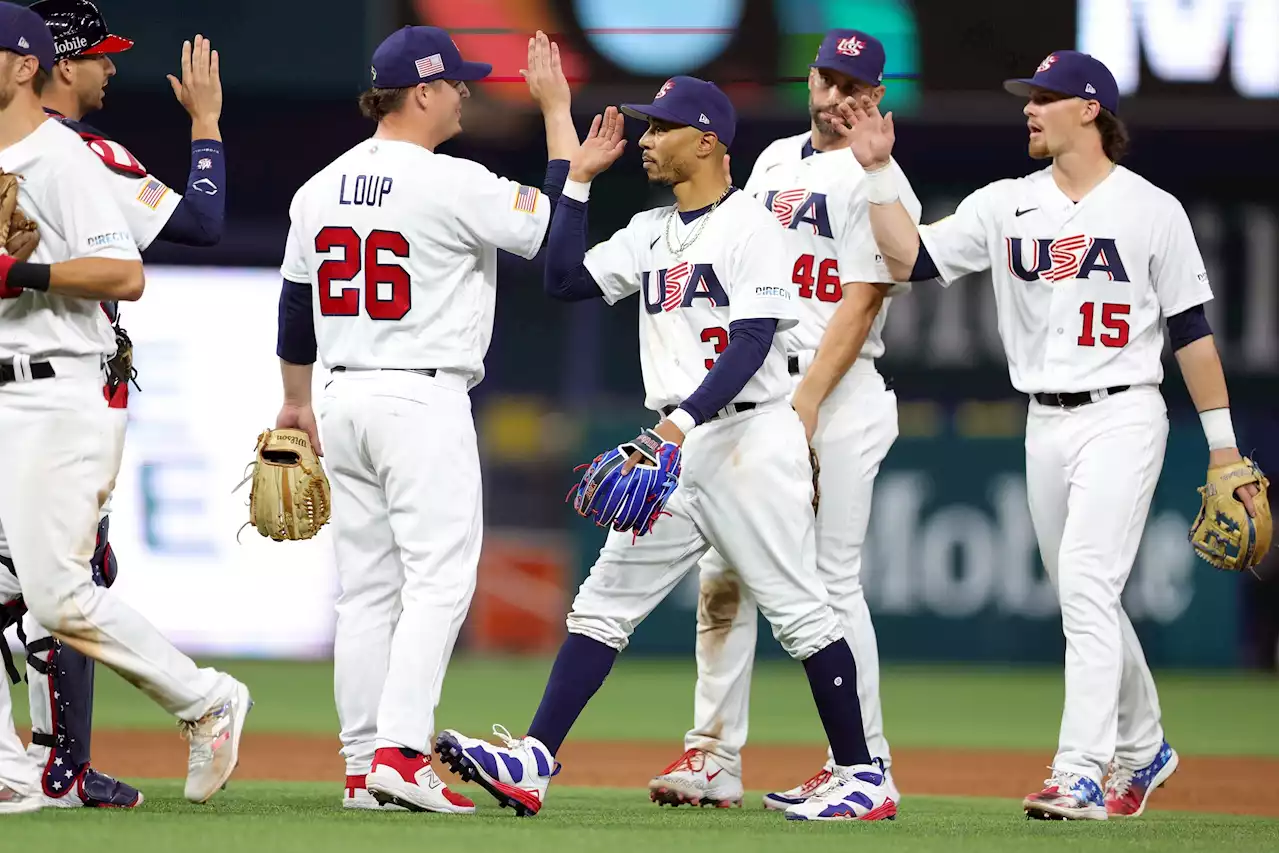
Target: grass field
x,y
649,704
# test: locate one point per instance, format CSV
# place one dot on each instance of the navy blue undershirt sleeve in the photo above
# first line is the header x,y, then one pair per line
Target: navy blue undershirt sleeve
x,y
749,342
1187,327
565,277
199,217
296,332
553,183
924,268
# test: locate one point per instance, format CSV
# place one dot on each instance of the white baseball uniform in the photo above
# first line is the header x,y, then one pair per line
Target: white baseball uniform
x,y
146,204
1081,292
401,247
818,199
746,485
61,452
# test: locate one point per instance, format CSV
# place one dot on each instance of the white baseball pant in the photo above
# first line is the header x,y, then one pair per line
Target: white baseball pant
x,y
745,488
857,424
1091,473
58,462
401,454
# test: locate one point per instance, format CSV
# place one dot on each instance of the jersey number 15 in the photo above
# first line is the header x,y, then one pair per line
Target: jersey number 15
x,y
356,257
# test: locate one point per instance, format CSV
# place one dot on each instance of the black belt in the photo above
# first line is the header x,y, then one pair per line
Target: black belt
x,y
1070,401
39,370
425,371
731,409
793,365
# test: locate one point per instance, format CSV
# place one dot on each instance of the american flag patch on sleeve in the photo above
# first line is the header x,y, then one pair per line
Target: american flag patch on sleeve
x,y
527,199
151,193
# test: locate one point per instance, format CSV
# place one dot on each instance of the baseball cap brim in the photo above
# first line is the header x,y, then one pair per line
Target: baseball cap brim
x,y
470,71
110,44
648,111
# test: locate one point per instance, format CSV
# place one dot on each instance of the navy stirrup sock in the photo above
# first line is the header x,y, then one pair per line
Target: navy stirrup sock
x,y
833,677
581,666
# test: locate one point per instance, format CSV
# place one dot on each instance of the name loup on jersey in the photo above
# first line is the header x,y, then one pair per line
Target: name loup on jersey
x,y
401,245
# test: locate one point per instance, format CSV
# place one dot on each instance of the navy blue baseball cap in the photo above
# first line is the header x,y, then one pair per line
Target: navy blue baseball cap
x,y
1069,72
413,55
23,32
852,52
692,102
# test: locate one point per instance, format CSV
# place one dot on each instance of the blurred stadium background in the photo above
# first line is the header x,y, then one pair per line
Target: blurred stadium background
x,y
952,571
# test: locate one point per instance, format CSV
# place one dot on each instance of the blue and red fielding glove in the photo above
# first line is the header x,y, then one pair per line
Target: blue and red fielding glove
x,y
634,500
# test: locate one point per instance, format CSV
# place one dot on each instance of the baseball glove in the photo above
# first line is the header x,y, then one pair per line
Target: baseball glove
x,y
634,500
289,498
817,469
1223,533
19,234
120,369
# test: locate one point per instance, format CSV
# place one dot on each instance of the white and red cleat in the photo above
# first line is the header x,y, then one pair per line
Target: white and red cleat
x,y
405,778
697,779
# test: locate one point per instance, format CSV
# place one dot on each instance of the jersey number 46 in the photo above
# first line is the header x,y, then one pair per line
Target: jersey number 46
x,y
358,255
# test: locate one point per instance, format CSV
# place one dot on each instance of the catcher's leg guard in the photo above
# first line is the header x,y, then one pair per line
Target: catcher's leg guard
x,y
60,683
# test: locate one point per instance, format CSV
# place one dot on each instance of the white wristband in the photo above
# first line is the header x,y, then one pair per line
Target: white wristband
x,y
683,421
882,186
576,190
1218,429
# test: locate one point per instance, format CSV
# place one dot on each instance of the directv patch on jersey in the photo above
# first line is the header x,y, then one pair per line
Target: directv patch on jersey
x,y
151,193
527,199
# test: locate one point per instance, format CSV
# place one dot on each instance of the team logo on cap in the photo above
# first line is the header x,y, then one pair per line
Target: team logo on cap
x,y
1048,60
850,46
23,43
666,87
1088,87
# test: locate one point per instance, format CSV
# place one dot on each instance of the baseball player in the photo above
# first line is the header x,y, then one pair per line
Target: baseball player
x,y
811,184
713,274
1087,260
62,450
61,727
390,278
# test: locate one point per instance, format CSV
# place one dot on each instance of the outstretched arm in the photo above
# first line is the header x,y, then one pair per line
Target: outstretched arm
x,y
199,217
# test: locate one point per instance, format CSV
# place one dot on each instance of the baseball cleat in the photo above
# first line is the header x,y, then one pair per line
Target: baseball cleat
x,y
517,775
357,796
405,778
816,784
91,789
858,792
1067,796
697,779
13,801
215,744
1128,788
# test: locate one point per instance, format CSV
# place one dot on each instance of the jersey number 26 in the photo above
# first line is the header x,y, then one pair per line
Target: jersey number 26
x,y
356,257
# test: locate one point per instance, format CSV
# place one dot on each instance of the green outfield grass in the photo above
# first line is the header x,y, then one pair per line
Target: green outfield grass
x,y
302,817
645,699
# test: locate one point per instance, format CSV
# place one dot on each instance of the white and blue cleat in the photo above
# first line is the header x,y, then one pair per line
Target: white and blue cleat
x,y
516,775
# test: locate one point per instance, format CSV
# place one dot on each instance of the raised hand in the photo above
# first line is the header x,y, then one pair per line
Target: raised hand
x,y
870,135
602,147
200,89
545,75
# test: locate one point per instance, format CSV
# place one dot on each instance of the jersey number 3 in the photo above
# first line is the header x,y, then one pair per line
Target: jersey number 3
x,y
355,258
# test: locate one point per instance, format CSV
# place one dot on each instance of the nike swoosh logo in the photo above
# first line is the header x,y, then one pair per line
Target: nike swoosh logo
x,y
1016,213
655,241
711,776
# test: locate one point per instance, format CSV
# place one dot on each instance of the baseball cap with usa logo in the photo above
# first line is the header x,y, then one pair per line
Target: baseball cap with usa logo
x,y
1071,73
693,102
413,55
852,52
23,32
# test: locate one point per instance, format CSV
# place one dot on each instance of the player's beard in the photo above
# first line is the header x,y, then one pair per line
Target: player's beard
x,y
8,85
1038,149
821,123
668,174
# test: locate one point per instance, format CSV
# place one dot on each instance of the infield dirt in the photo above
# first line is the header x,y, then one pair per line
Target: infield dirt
x,y
1231,785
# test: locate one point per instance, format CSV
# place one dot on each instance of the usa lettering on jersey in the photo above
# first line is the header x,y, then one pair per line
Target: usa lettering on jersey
x,y
796,207
1059,259
677,287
